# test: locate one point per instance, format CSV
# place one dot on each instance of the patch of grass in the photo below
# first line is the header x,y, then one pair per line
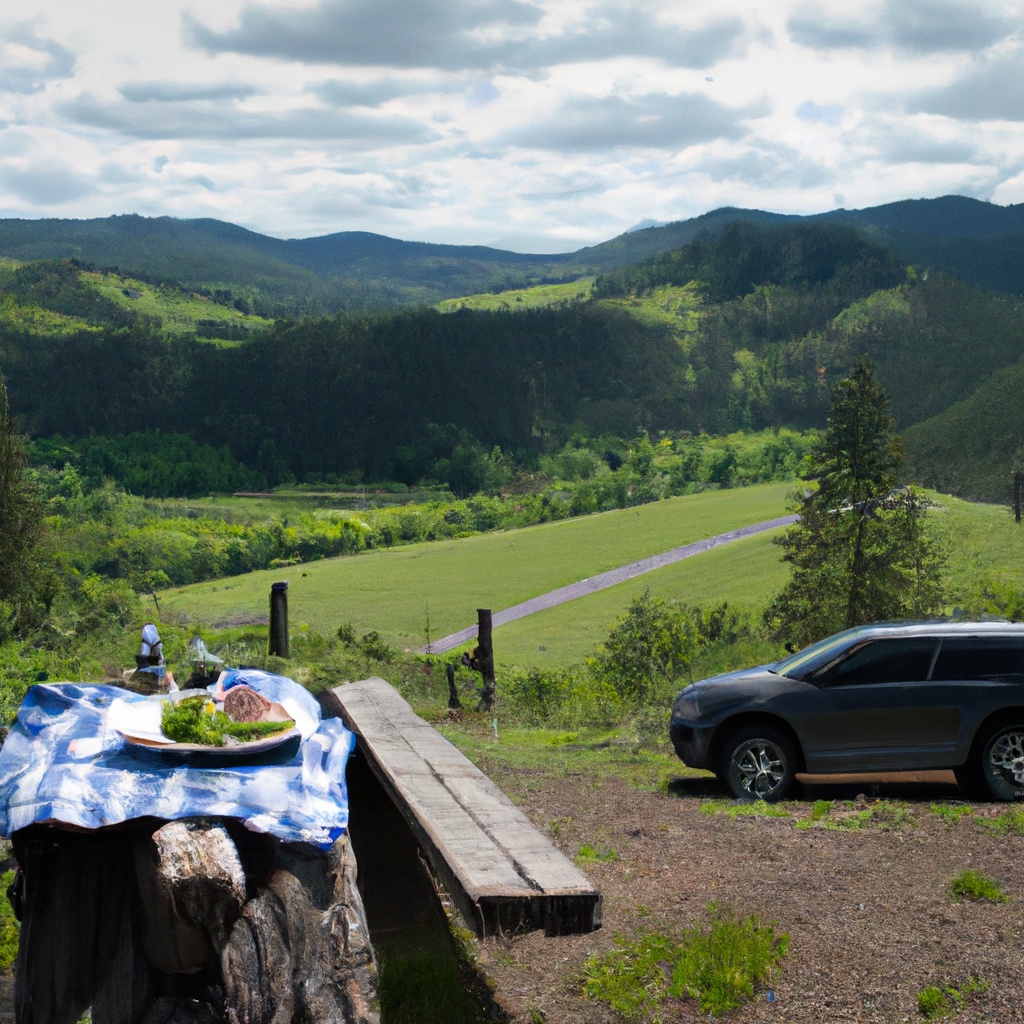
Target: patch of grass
x,y
820,811
847,816
595,757
754,809
936,1001
953,814
719,964
1010,822
420,987
593,855
520,298
972,885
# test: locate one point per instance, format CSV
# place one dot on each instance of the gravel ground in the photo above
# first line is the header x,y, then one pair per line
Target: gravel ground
x,y
867,911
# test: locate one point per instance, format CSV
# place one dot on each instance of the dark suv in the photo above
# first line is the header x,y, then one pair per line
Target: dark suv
x,y
887,697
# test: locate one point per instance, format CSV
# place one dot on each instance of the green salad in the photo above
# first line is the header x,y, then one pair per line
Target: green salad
x,y
196,720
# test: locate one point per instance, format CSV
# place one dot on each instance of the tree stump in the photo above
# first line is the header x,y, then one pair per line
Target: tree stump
x,y
190,922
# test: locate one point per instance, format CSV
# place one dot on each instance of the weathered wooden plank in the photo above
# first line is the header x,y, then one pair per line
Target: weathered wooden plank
x,y
502,873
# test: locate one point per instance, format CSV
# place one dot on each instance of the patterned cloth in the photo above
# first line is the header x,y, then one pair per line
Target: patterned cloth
x,y
65,762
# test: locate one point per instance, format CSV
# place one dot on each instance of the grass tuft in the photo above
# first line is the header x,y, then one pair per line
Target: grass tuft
x,y
972,885
718,964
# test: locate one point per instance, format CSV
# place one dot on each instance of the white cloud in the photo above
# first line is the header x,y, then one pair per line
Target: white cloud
x,y
477,120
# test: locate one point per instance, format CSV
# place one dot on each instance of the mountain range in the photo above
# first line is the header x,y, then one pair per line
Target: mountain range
x,y
976,241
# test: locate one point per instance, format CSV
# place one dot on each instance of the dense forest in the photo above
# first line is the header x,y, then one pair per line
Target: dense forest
x,y
742,329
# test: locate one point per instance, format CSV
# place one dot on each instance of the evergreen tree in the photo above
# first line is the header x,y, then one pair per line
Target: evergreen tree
x,y
20,514
860,551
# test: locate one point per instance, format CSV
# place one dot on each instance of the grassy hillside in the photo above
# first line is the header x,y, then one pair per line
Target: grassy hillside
x,y
59,298
396,591
973,448
521,298
178,312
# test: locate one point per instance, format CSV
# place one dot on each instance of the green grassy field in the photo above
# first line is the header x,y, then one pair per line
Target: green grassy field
x,y
179,311
396,591
521,298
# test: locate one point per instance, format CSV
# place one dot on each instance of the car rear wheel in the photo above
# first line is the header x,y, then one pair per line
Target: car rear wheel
x,y
760,763
1002,762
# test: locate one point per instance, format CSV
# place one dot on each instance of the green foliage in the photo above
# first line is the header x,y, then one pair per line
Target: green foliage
x,y
936,1001
719,964
860,550
20,526
972,885
10,929
1009,823
196,720
654,643
753,809
149,463
953,814
588,854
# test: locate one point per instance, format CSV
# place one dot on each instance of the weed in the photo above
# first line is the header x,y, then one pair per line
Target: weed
x,y
1009,823
937,1001
972,885
953,813
592,855
556,825
849,817
631,978
718,964
820,811
732,809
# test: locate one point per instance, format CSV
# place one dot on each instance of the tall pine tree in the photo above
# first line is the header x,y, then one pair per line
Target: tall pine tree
x,y
860,551
20,515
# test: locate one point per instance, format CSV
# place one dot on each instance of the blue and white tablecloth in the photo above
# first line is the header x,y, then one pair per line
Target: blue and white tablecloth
x,y
65,762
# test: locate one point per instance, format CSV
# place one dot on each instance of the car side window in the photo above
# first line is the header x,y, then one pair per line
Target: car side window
x,y
980,658
892,660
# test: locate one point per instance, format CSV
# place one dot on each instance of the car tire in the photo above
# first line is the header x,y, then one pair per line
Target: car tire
x,y
1001,767
759,763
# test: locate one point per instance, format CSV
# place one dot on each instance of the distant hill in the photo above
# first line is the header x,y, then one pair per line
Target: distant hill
x,y
976,241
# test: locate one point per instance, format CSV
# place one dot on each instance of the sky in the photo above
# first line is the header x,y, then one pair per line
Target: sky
x,y
535,125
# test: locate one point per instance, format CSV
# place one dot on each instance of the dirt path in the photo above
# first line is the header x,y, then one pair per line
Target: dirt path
x,y
602,581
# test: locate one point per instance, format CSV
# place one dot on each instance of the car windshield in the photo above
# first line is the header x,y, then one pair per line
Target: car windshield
x,y
807,661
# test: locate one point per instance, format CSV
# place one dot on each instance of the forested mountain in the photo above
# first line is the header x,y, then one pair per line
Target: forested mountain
x,y
742,328
978,242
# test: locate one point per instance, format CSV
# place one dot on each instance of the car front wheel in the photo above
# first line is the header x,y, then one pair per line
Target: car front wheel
x,y
760,763
1002,762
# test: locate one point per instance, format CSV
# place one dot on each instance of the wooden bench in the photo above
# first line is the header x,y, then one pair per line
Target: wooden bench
x,y
502,873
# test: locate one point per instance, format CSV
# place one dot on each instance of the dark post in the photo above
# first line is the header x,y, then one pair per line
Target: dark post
x,y
486,658
454,703
1018,476
279,619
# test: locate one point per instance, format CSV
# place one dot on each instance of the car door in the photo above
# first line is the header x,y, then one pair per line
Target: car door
x,y
987,675
874,708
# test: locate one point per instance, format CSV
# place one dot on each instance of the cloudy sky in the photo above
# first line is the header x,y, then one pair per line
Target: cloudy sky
x,y
540,125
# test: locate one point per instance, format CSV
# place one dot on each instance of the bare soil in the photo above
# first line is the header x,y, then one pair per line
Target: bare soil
x,y
866,908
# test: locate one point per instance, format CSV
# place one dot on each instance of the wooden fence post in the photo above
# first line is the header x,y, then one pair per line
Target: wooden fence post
x,y
486,659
